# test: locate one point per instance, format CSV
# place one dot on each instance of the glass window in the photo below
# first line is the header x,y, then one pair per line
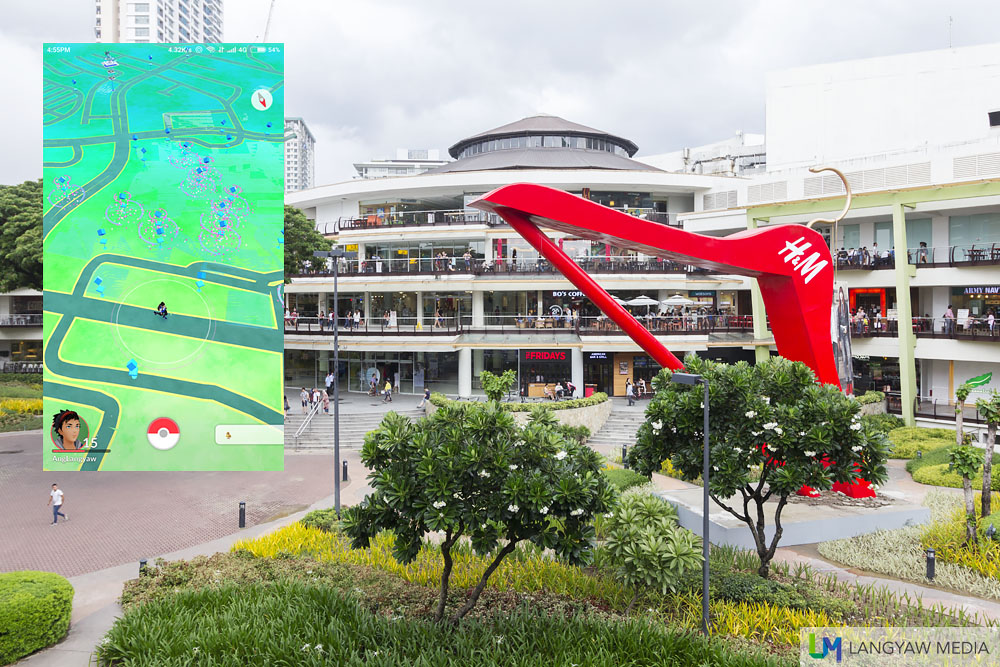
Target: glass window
x,y
852,236
142,20
883,235
142,32
551,142
917,232
140,6
966,230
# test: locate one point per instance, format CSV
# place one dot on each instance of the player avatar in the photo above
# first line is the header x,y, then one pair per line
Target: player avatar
x,y
66,430
161,310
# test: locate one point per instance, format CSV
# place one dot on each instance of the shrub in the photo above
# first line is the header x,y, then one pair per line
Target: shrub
x,y
440,400
22,378
21,406
648,547
870,397
941,475
19,390
622,479
882,423
579,433
496,386
470,470
34,612
907,440
325,520
291,623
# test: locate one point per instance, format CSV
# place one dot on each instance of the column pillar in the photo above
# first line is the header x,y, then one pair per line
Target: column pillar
x,y
464,372
368,308
761,352
477,309
904,313
538,311
576,369
477,366
420,309
361,255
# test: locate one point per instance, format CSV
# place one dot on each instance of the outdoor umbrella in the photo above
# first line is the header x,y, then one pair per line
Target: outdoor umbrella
x,y
677,300
643,300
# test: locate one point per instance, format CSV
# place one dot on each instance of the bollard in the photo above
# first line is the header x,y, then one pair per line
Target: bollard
x,y
920,454
930,564
344,479
142,566
243,514
624,454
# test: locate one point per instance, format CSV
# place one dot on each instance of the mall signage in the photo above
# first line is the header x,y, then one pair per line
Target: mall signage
x,y
545,355
983,289
598,356
569,294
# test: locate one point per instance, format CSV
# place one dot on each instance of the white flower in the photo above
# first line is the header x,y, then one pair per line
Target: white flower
x,y
513,466
319,647
306,647
309,571
195,649
484,526
657,425
802,433
855,426
751,414
874,487
500,639
560,455
771,447
576,512
439,504
770,425
715,468
456,495
738,450
777,429
545,510
702,405
483,473
810,454
856,448
766,399
512,508
673,429
609,515
755,433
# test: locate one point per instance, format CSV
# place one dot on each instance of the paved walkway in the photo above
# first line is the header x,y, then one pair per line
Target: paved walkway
x,y
95,606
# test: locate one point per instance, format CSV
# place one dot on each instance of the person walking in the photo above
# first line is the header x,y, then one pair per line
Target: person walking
x,y
287,406
326,403
56,500
991,321
949,321
329,383
387,391
427,397
630,392
304,395
317,396
357,319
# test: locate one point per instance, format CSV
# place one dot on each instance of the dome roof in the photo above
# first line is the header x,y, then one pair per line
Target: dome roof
x,y
544,158
542,124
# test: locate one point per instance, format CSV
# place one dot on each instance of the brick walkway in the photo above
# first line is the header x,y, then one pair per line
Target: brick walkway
x,y
120,517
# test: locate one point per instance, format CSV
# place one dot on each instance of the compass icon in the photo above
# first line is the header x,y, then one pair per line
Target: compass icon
x,y
261,99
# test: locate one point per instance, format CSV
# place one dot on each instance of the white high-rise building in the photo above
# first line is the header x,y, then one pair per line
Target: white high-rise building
x,y
300,155
182,21
408,162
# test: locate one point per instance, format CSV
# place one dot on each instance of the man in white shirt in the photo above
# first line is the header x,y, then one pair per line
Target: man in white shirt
x,y
56,500
329,383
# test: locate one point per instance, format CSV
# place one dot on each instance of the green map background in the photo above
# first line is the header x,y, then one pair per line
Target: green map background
x,y
88,137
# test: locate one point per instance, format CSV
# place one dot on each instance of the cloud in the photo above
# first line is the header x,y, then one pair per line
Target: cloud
x,y
369,77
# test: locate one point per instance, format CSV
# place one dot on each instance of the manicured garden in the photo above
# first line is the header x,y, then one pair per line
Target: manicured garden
x,y
20,402
487,542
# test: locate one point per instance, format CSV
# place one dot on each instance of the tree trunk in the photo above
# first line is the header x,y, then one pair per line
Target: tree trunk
x,y
445,575
631,603
970,512
958,423
471,602
991,434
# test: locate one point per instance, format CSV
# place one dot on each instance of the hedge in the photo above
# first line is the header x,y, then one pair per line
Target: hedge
x,y
871,397
907,440
325,520
940,475
34,612
440,400
622,479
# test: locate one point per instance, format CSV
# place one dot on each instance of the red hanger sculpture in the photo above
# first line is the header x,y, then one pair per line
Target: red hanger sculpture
x,y
792,265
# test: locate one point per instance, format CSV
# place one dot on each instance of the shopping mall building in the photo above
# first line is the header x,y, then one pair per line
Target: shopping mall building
x,y
444,291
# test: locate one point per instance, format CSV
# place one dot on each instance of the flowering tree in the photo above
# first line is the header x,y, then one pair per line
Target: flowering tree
x,y
773,416
469,471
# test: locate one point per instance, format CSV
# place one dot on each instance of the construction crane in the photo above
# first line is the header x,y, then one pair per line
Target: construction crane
x,y
267,26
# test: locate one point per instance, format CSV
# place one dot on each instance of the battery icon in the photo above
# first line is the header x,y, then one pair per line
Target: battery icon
x,y
259,49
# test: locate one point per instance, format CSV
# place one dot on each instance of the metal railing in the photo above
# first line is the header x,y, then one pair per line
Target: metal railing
x,y
313,411
934,408
453,217
21,367
973,328
27,320
691,324
477,266
953,255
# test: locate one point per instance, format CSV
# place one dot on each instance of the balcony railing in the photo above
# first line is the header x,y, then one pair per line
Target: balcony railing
x,y
930,327
21,367
954,255
661,325
20,320
477,266
453,217
934,408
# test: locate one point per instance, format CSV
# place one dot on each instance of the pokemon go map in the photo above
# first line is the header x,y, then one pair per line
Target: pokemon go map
x,y
163,251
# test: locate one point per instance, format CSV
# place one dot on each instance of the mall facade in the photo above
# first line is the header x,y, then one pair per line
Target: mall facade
x,y
443,291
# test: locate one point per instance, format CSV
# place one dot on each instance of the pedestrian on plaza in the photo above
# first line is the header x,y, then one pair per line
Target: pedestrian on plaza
x,y
427,397
387,392
317,396
468,260
287,407
329,383
326,403
642,387
560,390
56,500
304,395
357,319
630,392
990,321
385,320
322,320
922,253
295,319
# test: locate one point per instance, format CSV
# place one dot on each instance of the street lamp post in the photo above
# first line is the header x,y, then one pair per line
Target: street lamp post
x,y
335,254
692,379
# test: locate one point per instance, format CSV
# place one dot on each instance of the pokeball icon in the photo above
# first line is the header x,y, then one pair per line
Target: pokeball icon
x,y
163,433
261,99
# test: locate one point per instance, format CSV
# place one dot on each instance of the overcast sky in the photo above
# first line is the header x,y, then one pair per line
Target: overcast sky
x,y
372,76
